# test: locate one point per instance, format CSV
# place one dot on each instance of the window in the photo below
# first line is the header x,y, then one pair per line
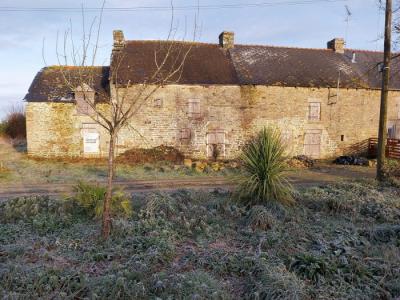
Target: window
x,y
185,134
158,102
216,143
91,143
194,108
342,138
314,111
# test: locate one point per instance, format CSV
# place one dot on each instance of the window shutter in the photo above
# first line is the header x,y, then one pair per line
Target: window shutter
x,y
194,108
314,111
185,134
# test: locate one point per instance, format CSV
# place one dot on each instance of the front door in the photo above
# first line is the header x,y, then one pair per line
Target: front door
x,y
312,143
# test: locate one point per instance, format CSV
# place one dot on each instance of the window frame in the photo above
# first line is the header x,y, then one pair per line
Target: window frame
x,y
194,108
311,105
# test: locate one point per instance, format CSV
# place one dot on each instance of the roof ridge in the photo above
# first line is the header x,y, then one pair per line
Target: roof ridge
x,y
255,45
54,67
364,50
174,41
285,47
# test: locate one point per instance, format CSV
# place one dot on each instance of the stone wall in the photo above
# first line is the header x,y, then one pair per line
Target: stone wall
x,y
347,119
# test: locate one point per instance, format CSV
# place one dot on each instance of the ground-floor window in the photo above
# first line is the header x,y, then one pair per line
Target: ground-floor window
x,y
312,143
216,144
91,142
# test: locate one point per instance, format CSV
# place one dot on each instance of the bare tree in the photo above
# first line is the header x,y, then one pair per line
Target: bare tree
x,y
124,99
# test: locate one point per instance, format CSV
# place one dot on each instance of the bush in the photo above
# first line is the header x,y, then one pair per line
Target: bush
x,y
260,218
309,267
264,170
28,208
14,125
90,198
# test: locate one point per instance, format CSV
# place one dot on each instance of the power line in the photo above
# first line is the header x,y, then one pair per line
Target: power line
x,y
163,8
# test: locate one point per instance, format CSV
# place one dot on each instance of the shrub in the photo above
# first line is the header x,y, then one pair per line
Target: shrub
x,y
275,282
14,125
44,214
260,218
309,267
28,208
264,170
90,198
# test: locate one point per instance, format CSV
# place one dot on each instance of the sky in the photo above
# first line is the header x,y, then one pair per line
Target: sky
x,y
28,38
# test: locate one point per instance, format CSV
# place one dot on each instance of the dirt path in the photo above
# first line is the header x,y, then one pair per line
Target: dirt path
x,y
321,174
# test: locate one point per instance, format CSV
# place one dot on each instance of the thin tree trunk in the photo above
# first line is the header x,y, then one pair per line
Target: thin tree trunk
x,y
106,228
382,136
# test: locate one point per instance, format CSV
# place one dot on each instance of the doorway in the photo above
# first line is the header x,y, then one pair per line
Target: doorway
x,y
312,143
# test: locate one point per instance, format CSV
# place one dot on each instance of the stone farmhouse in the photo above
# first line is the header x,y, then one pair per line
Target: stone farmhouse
x,y
324,101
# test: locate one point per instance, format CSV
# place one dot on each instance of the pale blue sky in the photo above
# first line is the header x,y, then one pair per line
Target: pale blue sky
x,y
306,25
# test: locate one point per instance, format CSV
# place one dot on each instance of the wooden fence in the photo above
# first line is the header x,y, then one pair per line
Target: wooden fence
x,y
392,148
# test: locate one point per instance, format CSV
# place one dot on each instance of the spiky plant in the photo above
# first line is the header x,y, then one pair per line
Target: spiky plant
x,y
264,176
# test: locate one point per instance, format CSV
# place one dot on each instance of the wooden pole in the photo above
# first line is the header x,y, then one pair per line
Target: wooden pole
x,y
382,135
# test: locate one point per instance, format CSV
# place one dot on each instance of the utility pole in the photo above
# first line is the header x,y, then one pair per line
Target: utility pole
x,y
382,136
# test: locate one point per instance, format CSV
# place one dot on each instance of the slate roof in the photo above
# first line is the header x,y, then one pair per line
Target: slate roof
x,y
209,64
50,83
204,64
259,65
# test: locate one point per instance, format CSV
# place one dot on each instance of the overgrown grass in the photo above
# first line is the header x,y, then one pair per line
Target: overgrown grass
x,y
199,245
89,199
263,177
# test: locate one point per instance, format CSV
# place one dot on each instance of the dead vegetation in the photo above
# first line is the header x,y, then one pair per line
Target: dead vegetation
x,y
160,153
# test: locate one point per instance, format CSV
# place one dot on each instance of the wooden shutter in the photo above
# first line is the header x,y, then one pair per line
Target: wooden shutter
x,y
312,143
194,108
185,134
314,111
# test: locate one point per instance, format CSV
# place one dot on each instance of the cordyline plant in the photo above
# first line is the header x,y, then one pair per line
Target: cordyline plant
x,y
264,178
125,100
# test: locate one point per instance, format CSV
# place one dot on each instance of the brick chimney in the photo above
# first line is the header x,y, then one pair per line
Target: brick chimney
x,y
227,40
337,45
119,40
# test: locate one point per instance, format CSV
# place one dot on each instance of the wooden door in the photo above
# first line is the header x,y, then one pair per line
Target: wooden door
x,y
312,143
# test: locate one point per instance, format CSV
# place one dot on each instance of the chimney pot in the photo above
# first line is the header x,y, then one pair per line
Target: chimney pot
x,y
337,45
119,40
227,40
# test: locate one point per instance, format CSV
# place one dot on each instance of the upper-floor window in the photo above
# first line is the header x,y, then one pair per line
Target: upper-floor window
x,y
314,111
158,102
194,108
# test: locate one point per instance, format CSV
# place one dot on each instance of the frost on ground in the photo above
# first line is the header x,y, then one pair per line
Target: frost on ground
x,y
339,242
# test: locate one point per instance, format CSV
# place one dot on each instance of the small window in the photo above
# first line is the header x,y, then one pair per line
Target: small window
x,y
194,108
342,138
158,102
91,143
314,111
185,134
